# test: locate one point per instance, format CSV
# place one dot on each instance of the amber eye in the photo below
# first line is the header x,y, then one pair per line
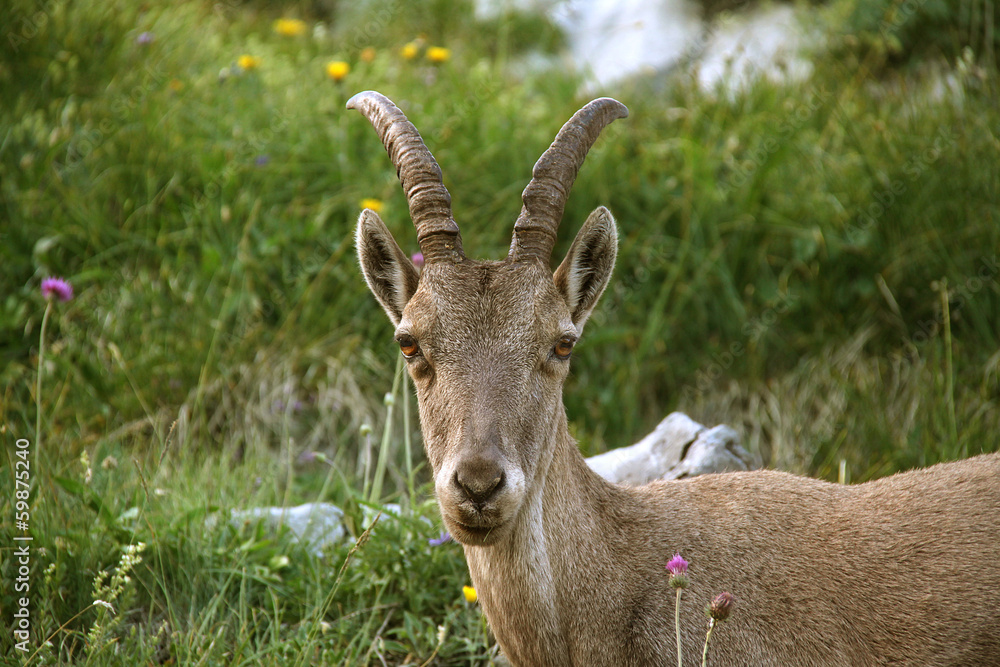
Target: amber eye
x,y
564,347
408,346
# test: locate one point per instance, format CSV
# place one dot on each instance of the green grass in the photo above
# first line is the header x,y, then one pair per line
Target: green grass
x,y
815,264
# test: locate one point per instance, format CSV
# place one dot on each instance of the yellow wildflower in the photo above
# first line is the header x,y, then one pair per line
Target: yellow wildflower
x,y
373,204
368,54
337,70
470,593
175,85
438,54
290,27
248,63
410,51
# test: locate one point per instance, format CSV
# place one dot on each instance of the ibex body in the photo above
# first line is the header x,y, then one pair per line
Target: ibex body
x,y
569,568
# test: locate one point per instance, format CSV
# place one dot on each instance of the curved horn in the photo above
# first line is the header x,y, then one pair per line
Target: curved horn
x,y
553,176
419,173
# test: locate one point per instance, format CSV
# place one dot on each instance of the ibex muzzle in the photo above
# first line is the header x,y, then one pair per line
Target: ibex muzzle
x,y
569,568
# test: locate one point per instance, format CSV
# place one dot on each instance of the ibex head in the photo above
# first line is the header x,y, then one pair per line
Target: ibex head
x,y
487,343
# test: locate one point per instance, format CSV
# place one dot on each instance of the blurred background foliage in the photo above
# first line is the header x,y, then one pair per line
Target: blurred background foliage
x,y
205,212
814,262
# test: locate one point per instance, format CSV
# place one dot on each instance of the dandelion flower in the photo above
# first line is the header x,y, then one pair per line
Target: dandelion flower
x,y
337,70
372,204
57,287
248,63
470,594
367,54
290,27
438,54
410,50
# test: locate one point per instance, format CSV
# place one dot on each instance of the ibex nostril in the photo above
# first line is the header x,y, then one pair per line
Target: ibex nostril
x,y
477,484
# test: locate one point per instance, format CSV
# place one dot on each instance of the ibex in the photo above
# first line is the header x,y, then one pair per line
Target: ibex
x,y
569,568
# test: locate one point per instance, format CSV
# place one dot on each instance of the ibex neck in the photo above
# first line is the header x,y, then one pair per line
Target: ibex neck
x,y
531,584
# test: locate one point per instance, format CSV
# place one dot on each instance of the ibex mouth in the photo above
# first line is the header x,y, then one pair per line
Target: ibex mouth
x,y
475,535
475,530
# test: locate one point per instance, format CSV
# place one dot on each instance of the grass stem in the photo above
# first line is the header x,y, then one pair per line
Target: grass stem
x,y
383,451
949,371
677,628
38,379
407,445
708,635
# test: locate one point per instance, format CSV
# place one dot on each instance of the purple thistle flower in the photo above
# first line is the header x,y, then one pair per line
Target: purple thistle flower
x,y
58,287
677,565
418,259
144,38
436,542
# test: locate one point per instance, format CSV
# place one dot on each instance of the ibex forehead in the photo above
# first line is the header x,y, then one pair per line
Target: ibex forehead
x,y
508,303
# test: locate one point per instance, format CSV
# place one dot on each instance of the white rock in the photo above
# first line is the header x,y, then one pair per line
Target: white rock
x,y
317,525
678,447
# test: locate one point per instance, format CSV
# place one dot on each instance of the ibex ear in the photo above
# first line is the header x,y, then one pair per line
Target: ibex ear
x,y
585,271
390,274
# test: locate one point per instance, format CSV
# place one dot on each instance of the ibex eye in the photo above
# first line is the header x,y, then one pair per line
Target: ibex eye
x,y
408,346
564,347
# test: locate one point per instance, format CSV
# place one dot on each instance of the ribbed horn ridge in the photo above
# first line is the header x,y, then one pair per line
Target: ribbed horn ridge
x,y
419,173
553,176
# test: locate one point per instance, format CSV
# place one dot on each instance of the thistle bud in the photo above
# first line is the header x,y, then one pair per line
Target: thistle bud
x,y
719,608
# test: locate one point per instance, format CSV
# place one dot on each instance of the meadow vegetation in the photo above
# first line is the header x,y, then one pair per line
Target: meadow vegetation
x,y
815,263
